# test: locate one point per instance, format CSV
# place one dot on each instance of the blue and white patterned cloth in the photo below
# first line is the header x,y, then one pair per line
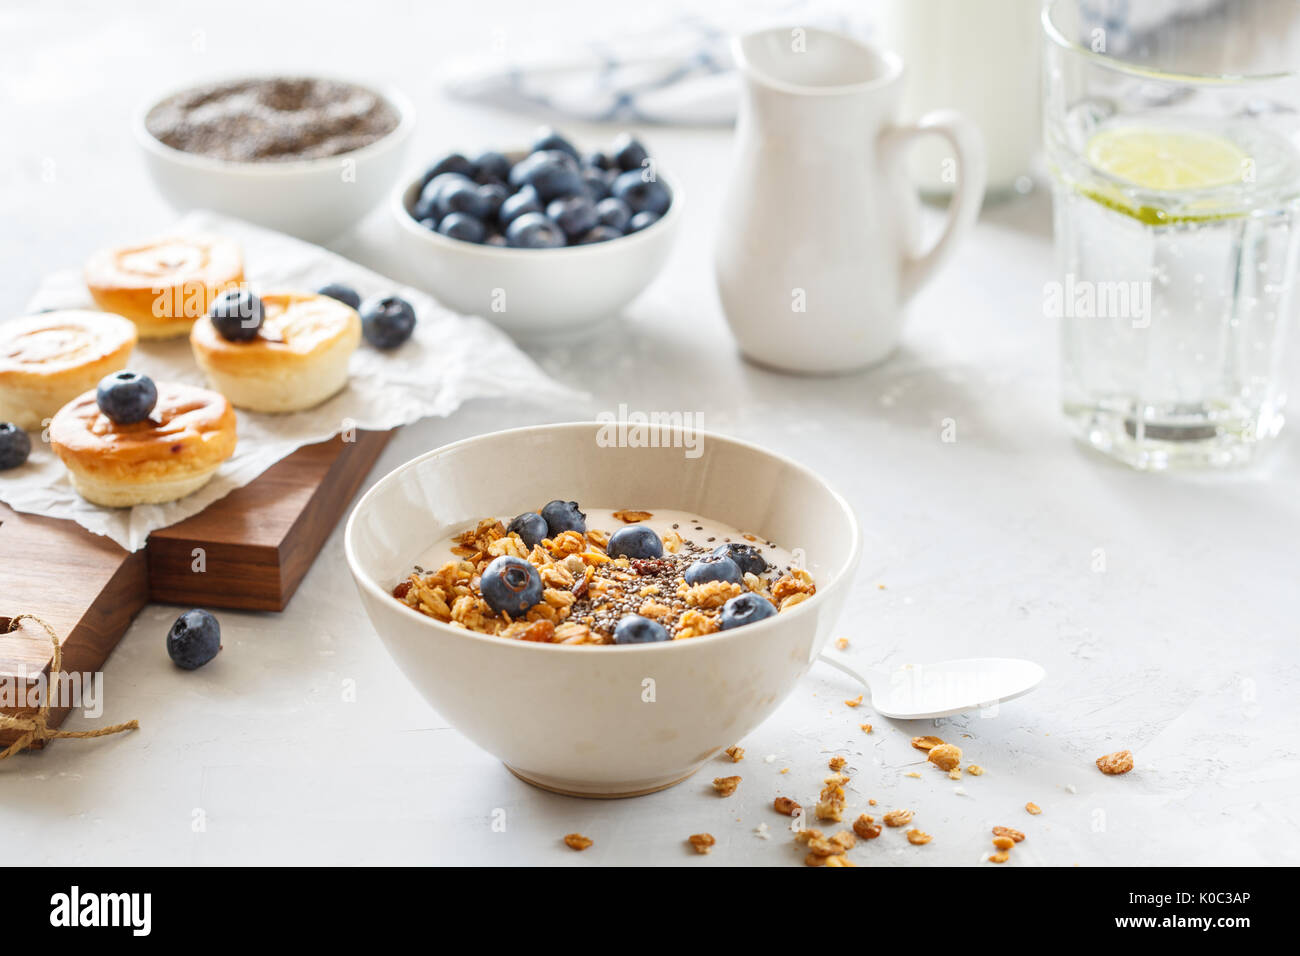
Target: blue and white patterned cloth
x,y
677,73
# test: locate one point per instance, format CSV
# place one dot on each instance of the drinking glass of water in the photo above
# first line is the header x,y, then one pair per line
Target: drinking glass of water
x,y
1173,138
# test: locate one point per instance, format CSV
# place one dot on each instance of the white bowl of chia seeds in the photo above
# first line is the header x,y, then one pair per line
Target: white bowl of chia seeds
x,y
308,156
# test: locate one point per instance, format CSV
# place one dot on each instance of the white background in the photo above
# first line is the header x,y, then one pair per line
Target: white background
x,y
1182,650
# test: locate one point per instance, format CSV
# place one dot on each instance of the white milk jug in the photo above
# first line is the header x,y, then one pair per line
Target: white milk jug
x,y
818,245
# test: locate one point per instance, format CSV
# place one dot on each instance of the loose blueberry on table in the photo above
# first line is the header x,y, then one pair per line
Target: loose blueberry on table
x,y
387,321
126,397
511,585
15,446
552,197
194,639
237,315
343,293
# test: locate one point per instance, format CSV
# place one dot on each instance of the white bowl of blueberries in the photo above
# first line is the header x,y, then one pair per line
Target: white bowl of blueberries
x,y
541,240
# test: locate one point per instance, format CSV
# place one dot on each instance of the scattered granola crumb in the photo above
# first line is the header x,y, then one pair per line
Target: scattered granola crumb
x,y
628,516
737,754
927,742
918,837
1015,834
1033,808
871,802
577,841
842,643
785,769
898,818
1000,857
975,770
702,842
945,756
837,762
954,773
1121,761
786,805
912,773
830,804
726,786
854,702
1003,842
866,728
866,827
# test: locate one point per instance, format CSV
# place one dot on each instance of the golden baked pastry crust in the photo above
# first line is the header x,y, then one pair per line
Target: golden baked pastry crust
x,y
190,430
165,284
297,328
51,346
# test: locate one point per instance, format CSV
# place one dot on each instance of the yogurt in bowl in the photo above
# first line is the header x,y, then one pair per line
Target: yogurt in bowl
x,y
591,719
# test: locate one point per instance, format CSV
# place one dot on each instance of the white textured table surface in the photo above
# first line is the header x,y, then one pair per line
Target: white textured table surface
x,y
1182,649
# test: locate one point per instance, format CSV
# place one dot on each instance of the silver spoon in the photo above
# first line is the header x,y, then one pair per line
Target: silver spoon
x,y
922,691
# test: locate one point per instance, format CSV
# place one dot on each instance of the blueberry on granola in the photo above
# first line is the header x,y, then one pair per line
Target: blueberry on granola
x,y
511,585
635,629
714,567
530,526
563,516
634,541
747,557
746,609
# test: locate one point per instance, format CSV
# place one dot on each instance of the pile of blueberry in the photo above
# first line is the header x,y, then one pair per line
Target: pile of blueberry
x,y
552,197
512,585
387,321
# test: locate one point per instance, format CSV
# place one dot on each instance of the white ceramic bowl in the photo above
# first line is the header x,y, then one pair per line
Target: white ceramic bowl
x,y
576,719
314,199
532,292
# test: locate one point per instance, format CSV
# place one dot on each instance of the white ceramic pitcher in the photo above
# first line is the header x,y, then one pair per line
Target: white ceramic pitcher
x,y
818,245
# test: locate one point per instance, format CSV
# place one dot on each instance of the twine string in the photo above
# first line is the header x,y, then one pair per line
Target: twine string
x,y
34,728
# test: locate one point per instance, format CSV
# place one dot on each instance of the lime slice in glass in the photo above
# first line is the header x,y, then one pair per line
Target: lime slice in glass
x,y
1167,160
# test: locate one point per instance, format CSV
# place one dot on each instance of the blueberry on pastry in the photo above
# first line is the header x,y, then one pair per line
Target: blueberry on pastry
x,y
118,460
164,285
296,358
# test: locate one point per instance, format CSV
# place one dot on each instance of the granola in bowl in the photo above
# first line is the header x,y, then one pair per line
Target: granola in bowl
x,y
562,576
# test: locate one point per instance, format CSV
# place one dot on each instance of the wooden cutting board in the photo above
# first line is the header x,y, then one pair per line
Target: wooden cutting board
x,y
250,550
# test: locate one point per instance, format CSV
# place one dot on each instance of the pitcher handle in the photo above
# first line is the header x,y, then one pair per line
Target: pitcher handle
x,y
964,206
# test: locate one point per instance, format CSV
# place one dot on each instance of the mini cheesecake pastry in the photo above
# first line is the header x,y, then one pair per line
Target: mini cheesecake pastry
x,y
47,360
297,358
164,285
174,451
